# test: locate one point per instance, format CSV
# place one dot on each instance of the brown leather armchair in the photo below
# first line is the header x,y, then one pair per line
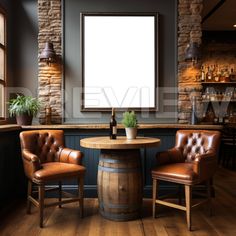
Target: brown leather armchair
x,y
46,159
192,161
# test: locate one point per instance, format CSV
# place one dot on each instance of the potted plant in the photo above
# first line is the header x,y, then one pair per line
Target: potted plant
x,y
23,108
131,124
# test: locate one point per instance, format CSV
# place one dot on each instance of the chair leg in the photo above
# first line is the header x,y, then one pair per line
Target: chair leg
x,y
41,204
180,194
59,194
188,199
81,195
154,196
29,193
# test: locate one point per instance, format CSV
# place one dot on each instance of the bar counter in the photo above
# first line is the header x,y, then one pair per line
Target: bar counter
x,y
140,126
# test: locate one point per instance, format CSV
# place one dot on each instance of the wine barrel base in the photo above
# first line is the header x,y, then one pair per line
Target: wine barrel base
x,y
120,217
120,186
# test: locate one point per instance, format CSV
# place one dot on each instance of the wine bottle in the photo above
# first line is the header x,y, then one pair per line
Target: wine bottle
x,y
113,125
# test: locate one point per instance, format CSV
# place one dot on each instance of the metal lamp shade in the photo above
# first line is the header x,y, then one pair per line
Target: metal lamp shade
x,y
48,54
192,52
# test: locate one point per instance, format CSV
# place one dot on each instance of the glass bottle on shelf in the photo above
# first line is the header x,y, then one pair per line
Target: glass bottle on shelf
x,y
227,75
207,94
202,74
217,74
208,75
232,75
222,75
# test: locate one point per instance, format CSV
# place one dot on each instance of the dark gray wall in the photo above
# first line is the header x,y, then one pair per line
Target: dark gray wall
x,y
25,46
167,10
22,46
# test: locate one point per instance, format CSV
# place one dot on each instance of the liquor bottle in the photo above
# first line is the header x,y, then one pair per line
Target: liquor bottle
x,y
217,74
202,74
208,75
113,125
227,79
232,75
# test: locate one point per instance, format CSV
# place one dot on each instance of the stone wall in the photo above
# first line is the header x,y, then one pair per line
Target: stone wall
x,y
50,76
189,30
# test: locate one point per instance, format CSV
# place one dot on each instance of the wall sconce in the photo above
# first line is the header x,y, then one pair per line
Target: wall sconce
x,y
192,52
48,54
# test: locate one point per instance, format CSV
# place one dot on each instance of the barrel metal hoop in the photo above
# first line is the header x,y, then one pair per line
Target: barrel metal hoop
x,y
131,207
120,217
118,170
116,161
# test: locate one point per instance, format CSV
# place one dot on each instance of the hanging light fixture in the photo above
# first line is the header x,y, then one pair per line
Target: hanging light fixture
x,y
48,54
192,52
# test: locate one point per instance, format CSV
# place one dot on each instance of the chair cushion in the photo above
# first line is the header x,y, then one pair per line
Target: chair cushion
x,y
177,172
57,171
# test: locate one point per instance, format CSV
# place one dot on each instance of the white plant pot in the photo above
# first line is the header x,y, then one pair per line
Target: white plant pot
x,y
131,133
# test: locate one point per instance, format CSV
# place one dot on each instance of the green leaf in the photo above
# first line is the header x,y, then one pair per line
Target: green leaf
x,y
23,104
129,119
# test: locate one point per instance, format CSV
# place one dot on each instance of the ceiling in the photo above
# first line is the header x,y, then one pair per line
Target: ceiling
x,y
223,18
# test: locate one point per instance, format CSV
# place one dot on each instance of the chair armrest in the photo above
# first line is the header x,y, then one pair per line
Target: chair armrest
x,y
209,156
31,163
205,165
173,155
68,155
29,156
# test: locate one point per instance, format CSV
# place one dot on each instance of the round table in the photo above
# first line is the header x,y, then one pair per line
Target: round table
x,y
119,181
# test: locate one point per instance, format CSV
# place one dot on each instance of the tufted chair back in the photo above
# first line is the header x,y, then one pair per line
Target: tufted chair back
x,y
192,143
45,144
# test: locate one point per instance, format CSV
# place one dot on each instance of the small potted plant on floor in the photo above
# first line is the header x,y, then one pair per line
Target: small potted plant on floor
x,y
131,124
24,108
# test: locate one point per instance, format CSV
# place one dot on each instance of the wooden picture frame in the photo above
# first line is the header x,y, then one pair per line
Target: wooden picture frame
x,y
119,56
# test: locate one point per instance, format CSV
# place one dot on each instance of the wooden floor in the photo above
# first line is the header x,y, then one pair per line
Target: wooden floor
x,y
66,221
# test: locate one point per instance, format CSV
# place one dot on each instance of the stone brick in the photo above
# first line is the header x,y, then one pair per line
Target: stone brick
x,y
189,30
50,77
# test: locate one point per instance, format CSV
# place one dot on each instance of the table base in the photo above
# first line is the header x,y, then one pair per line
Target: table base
x,y
120,185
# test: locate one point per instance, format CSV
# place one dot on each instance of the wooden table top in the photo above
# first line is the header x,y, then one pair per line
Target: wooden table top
x,y
121,142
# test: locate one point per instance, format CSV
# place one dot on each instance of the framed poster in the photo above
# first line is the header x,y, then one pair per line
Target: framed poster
x,y
119,56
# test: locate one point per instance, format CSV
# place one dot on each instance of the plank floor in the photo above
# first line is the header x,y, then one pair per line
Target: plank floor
x,y
66,221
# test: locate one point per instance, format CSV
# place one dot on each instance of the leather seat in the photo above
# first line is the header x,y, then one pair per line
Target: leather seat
x,y
178,172
192,161
45,159
54,171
